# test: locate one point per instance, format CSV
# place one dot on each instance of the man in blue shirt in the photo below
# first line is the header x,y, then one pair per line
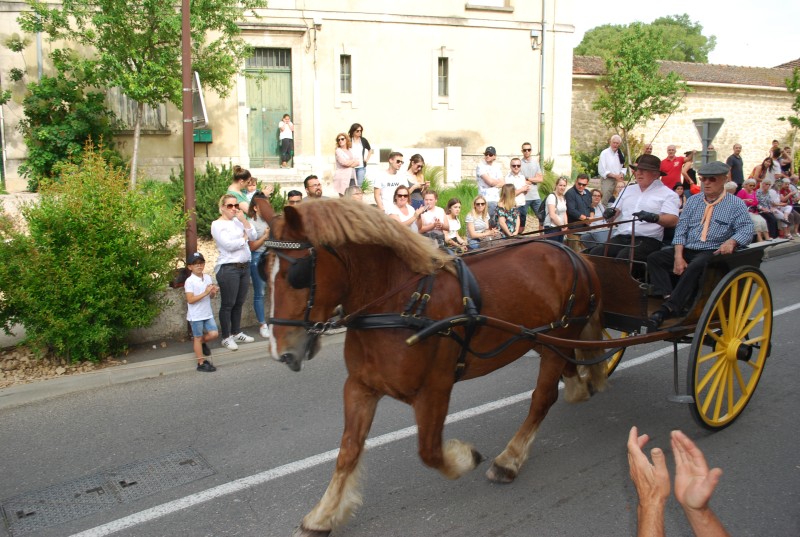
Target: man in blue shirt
x,y
711,223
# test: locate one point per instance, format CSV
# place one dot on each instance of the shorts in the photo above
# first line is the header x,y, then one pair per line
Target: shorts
x,y
201,327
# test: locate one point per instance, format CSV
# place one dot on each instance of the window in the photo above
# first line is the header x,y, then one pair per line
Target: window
x,y
345,82
444,82
444,77
345,73
277,59
154,119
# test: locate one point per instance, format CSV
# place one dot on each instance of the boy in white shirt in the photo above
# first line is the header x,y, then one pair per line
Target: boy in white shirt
x,y
199,292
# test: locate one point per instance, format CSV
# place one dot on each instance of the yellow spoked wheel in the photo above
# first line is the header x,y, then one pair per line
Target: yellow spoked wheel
x,y
730,347
613,362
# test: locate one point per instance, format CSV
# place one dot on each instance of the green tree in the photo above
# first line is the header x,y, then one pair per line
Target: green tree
x,y
793,87
633,91
682,39
136,45
61,114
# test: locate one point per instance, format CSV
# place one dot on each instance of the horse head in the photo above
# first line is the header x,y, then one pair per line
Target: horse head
x,y
300,288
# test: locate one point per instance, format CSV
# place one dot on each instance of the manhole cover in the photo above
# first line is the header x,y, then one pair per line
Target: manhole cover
x,y
87,495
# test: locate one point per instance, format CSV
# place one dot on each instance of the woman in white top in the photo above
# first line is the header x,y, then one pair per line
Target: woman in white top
x,y
556,212
257,250
361,151
453,239
402,211
478,228
232,233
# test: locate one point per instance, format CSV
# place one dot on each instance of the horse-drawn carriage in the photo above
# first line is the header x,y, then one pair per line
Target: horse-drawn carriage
x,y
419,320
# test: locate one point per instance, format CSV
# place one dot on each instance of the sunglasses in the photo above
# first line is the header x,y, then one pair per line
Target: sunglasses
x,y
401,195
398,162
340,139
231,205
581,184
479,203
516,165
526,149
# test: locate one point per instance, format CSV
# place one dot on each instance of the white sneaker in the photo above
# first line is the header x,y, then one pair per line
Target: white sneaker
x,y
241,337
264,331
230,344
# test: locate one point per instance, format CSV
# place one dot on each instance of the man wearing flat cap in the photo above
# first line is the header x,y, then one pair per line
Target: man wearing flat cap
x,y
712,222
649,201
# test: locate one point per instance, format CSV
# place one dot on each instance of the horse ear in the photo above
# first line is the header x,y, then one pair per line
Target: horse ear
x,y
265,209
293,219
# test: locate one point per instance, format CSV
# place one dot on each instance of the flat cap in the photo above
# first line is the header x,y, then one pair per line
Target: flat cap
x,y
714,168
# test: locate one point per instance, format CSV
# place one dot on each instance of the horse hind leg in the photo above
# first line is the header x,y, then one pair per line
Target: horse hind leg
x,y
456,457
343,495
506,466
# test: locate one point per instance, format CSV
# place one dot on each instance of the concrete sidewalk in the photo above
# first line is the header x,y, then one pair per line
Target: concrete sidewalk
x,y
143,362
170,357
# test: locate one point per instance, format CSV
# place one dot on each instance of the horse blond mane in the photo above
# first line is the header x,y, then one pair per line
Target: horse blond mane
x,y
335,222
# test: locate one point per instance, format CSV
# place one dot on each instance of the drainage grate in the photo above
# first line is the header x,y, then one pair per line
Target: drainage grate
x,y
87,495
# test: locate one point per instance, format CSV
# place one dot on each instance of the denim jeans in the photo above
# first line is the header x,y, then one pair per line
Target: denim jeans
x,y
258,286
233,283
360,174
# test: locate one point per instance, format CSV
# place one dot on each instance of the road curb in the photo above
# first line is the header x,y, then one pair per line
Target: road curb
x,y
180,363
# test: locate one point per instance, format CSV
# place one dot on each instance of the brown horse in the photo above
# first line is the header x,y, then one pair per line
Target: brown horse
x,y
369,264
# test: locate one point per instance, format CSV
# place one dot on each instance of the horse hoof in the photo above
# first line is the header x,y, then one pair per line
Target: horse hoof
x,y
498,474
303,532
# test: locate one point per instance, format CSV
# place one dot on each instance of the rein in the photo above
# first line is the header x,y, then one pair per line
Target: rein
x,y
412,317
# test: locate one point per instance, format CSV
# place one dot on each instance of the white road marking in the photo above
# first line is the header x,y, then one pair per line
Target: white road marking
x,y
315,460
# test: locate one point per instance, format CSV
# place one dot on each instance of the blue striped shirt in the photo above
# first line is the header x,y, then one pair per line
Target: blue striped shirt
x,y
729,220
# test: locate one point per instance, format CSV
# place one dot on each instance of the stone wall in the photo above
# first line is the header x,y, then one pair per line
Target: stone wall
x,y
750,114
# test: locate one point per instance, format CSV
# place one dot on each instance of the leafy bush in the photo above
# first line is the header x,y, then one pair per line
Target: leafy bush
x,y
60,116
208,188
466,191
94,262
586,161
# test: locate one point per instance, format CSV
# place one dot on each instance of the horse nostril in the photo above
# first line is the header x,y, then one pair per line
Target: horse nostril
x,y
285,357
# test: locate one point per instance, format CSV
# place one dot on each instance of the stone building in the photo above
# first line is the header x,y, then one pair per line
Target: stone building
x,y
415,73
749,99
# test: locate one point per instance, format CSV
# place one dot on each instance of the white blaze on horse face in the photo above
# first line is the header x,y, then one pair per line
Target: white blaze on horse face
x,y
273,273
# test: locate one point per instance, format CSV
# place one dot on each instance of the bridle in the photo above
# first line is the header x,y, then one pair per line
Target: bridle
x,y
302,274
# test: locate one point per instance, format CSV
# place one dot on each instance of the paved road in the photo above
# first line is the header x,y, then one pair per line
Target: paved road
x,y
259,426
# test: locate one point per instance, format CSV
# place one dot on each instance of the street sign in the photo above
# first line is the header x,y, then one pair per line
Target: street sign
x,y
708,129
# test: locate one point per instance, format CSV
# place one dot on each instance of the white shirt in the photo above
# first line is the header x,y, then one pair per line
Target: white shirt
x,y
200,310
286,130
232,246
530,169
358,152
432,215
455,226
518,181
394,209
561,210
657,199
388,183
491,193
608,163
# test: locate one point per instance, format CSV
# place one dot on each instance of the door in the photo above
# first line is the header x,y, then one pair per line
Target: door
x,y
269,96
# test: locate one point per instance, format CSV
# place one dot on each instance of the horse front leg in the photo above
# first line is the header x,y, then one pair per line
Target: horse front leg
x,y
454,458
343,494
506,466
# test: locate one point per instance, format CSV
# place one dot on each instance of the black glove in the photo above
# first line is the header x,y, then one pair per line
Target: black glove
x,y
609,213
645,216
